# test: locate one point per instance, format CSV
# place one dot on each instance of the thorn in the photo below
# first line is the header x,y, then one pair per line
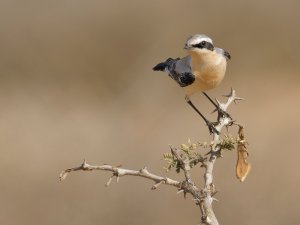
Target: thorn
x,y
180,191
189,142
227,128
196,200
208,153
143,170
63,175
83,165
214,193
156,185
237,99
215,110
117,178
171,148
109,181
215,199
232,122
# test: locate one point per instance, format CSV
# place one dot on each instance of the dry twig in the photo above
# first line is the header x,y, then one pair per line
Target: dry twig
x,y
202,197
119,172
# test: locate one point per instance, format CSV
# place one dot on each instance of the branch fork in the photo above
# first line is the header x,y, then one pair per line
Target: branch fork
x,y
202,197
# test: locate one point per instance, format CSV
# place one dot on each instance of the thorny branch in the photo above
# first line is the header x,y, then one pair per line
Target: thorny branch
x,y
120,172
208,216
203,197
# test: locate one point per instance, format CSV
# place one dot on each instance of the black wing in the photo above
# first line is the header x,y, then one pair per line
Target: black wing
x,y
186,79
183,79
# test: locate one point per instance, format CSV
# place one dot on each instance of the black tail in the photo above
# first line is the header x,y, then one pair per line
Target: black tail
x,y
162,66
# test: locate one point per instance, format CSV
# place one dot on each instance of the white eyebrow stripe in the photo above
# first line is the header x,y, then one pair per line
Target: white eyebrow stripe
x,y
199,40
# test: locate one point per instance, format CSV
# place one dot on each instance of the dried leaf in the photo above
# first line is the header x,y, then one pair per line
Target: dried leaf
x,y
242,166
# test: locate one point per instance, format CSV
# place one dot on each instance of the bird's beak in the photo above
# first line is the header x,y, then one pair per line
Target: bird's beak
x,y
211,47
186,47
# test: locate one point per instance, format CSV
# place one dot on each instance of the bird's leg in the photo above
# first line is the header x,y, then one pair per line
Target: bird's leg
x,y
221,112
210,125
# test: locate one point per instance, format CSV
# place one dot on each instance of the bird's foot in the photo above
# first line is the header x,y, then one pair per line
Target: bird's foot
x,y
218,105
222,113
211,127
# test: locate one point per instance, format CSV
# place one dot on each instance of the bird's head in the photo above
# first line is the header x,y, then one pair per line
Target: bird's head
x,y
199,43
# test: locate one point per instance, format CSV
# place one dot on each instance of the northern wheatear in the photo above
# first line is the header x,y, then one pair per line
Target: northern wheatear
x,y
203,69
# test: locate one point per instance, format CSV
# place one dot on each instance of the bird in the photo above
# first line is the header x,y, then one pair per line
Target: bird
x,y
201,70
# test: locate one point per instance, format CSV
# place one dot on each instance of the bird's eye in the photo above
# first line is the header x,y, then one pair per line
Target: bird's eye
x,y
202,44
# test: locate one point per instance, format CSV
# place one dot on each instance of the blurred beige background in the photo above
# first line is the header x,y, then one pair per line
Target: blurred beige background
x,y
76,82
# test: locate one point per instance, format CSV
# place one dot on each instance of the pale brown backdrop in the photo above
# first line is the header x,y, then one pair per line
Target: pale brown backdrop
x,y
76,82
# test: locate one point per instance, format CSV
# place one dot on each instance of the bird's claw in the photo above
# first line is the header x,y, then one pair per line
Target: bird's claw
x,y
211,128
223,113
